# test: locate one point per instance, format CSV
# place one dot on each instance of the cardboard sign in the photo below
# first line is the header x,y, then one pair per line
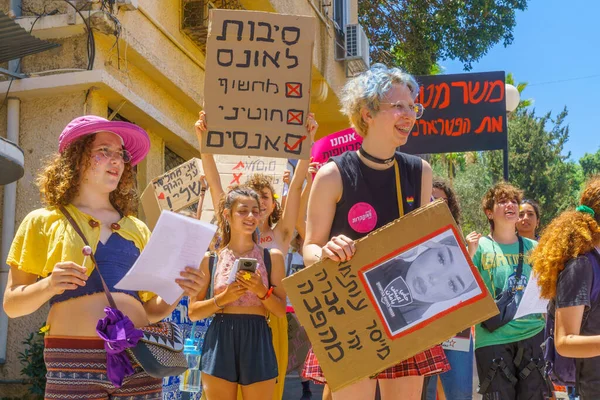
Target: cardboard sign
x,y
235,170
335,144
257,85
410,285
173,191
463,112
298,344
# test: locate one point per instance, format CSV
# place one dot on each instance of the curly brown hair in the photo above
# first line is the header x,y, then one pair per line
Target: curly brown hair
x,y
59,180
500,191
228,200
453,204
259,182
571,234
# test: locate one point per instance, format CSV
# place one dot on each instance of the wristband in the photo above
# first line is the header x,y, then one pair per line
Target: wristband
x,y
218,306
267,295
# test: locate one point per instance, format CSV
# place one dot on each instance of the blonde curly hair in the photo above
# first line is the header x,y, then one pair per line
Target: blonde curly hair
x,y
59,181
367,90
571,234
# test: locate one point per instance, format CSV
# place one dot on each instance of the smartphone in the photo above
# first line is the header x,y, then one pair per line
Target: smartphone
x,y
247,264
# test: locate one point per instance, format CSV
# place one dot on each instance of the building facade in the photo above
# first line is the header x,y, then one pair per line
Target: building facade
x,y
144,62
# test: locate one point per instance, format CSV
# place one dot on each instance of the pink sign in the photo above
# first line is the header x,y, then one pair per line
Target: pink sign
x,y
335,144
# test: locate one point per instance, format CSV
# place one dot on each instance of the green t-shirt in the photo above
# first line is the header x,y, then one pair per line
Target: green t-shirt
x,y
498,262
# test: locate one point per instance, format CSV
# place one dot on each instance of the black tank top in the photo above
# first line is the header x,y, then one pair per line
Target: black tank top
x,y
369,199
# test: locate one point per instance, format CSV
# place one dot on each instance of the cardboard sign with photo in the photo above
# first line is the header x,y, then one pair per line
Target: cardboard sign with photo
x,y
409,286
421,282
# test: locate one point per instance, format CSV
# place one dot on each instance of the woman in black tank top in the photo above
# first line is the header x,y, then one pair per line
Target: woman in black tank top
x,y
356,194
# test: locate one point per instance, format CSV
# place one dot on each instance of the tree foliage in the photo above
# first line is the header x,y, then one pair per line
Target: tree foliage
x,y
416,34
590,164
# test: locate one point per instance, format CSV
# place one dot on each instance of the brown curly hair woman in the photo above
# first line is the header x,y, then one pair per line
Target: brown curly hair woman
x,y
567,265
89,184
59,181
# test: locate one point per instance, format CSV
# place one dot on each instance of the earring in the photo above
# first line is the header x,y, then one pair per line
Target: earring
x,y
226,227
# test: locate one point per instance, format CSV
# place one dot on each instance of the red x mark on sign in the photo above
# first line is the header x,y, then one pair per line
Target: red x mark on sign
x,y
239,165
236,179
293,89
295,117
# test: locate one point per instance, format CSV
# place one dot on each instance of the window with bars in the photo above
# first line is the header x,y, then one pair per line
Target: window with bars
x,y
194,17
340,20
119,117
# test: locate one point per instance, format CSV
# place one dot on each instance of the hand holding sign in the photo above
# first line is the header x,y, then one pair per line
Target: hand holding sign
x,y
312,171
340,248
311,126
200,126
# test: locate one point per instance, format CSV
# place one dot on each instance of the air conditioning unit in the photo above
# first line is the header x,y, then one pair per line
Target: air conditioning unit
x,y
357,50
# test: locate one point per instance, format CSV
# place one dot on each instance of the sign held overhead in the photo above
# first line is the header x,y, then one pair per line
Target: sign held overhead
x,y
257,85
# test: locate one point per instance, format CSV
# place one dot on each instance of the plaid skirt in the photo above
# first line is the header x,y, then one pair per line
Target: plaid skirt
x,y
430,362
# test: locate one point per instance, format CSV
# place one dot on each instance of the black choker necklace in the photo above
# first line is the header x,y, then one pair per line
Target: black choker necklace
x,y
384,161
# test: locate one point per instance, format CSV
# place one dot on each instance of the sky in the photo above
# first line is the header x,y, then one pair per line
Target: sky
x,y
556,50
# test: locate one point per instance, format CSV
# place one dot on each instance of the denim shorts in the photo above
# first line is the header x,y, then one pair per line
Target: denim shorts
x,y
239,348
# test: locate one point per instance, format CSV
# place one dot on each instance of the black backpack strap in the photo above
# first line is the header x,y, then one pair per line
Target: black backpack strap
x,y
521,259
268,265
212,264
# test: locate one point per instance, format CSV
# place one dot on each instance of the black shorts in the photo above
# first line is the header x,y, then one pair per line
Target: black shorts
x,y
239,348
512,371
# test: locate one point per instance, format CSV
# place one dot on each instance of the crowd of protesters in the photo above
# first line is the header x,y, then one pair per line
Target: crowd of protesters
x,y
89,186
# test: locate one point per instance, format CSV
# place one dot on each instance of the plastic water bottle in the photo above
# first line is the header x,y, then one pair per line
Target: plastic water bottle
x,y
191,379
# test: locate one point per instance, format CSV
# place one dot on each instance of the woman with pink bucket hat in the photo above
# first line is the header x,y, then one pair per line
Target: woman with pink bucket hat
x,y
89,186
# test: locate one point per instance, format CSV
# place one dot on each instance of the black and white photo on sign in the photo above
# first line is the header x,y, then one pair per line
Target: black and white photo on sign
x,y
421,282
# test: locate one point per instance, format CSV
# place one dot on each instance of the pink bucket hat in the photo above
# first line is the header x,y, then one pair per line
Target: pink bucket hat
x,y
135,139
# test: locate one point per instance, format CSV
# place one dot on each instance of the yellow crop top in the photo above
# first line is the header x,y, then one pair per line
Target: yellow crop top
x,y
45,238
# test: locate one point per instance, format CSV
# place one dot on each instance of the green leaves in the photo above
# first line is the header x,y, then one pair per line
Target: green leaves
x,y
32,361
416,34
590,164
536,165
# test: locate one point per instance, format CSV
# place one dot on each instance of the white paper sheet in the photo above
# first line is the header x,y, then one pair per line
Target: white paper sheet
x,y
176,242
233,272
531,303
